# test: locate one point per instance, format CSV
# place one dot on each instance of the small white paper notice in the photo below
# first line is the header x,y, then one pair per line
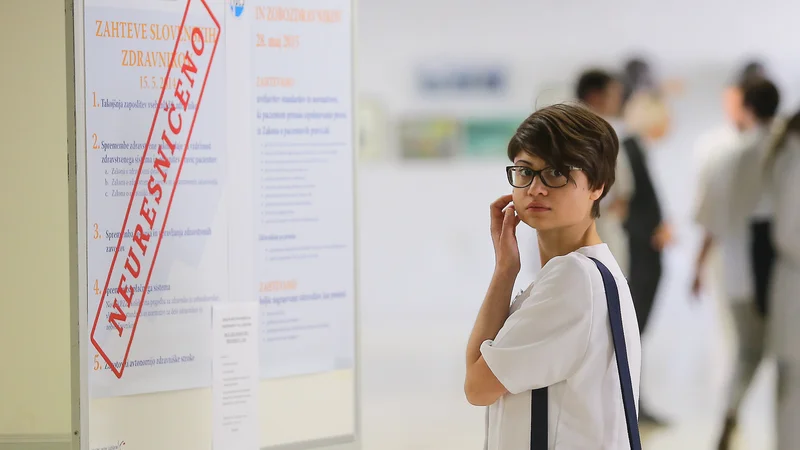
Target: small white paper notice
x,y
235,388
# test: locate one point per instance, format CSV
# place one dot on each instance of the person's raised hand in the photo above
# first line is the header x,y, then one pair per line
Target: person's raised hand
x,y
662,237
504,221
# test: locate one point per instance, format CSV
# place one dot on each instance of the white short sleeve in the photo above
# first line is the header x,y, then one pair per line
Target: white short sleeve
x,y
715,196
544,341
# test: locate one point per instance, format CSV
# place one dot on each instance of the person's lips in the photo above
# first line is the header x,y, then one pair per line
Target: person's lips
x,y
538,207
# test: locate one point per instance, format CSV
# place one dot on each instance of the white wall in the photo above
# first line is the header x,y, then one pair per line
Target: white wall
x,y
34,301
547,40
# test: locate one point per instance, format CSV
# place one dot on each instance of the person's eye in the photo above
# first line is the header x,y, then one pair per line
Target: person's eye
x,y
525,172
554,173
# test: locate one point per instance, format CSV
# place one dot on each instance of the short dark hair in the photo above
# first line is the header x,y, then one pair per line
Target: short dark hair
x,y
751,69
591,81
761,97
638,75
566,135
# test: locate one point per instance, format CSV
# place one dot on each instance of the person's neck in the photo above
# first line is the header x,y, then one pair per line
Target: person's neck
x,y
563,241
746,127
751,126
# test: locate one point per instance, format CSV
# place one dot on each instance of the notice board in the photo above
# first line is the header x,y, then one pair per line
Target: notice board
x,y
213,187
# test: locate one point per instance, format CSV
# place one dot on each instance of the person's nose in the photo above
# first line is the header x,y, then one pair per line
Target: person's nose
x,y
537,187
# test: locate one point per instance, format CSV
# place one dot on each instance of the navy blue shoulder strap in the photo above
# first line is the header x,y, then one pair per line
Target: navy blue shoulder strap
x,y
539,417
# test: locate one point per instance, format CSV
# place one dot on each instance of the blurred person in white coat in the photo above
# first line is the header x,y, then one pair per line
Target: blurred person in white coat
x,y
742,232
712,147
602,93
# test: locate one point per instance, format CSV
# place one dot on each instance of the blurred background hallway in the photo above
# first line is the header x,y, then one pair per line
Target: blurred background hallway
x,y
425,252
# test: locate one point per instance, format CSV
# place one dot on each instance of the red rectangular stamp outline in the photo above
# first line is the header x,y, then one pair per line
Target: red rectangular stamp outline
x,y
151,208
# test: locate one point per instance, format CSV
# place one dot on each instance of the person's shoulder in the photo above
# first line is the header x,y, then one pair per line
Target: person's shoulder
x,y
716,133
569,273
564,283
715,139
748,151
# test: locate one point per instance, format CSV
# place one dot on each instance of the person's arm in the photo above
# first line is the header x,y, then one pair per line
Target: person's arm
x,y
480,385
540,344
708,242
711,211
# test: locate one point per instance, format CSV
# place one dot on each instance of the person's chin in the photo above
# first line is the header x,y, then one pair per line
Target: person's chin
x,y
537,222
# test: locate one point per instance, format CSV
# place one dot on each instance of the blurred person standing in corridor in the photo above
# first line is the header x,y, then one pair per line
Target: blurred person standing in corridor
x,y
743,232
775,169
711,148
602,93
647,121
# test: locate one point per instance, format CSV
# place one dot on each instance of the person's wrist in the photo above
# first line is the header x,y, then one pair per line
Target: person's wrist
x,y
506,272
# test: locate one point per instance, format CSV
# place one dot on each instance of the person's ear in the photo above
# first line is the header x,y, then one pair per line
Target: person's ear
x,y
597,193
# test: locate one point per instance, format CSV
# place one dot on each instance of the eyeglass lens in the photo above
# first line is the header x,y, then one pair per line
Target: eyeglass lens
x,y
523,177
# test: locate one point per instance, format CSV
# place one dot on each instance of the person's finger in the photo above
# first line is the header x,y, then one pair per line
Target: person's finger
x,y
509,220
501,202
496,212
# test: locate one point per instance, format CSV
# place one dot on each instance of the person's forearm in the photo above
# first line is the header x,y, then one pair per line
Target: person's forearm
x,y
708,241
493,313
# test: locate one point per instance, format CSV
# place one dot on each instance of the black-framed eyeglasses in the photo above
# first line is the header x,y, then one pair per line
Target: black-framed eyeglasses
x,y
522,176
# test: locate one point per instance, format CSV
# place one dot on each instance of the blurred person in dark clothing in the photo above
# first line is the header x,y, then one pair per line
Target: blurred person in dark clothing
x,y
647,120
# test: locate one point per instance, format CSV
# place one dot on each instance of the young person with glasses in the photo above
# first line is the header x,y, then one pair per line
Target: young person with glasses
x,y
558,368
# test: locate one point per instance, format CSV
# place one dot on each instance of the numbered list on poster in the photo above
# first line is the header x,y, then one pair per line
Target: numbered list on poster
x,y
171,262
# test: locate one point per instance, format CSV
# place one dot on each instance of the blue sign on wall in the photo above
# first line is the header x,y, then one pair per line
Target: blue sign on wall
x,y
464,79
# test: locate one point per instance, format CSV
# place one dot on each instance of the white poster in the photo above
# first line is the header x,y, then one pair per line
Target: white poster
x,y
157,214
302,168
235,385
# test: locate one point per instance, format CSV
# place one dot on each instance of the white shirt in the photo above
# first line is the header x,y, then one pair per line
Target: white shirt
x,y
723,192
710,147
558,335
